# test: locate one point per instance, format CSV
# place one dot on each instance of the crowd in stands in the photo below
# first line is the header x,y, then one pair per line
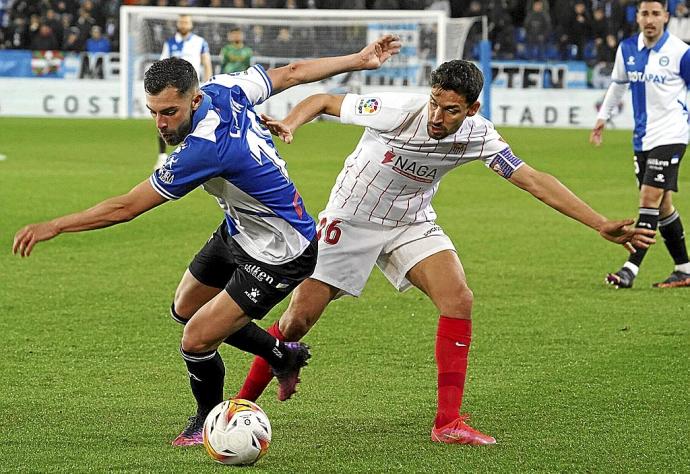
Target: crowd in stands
x,y
586,30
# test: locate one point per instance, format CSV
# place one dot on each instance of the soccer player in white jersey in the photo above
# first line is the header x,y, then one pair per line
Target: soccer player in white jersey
x,y
265,244
191,47
379,213
656,64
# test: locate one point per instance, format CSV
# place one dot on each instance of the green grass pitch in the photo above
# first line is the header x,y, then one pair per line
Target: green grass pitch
x,y
568,374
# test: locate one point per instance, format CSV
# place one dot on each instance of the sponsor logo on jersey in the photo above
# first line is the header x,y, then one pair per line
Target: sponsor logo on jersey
x,y
663,61
368,106
165,175
258,273
639,76
410,168
253,294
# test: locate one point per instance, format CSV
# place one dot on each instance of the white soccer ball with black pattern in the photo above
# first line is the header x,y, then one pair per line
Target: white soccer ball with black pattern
x,y
237,432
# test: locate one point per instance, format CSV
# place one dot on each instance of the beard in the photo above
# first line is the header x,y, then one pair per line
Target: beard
x,y
175,137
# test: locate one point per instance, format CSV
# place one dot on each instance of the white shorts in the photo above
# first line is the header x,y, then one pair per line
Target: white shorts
x,y
349,250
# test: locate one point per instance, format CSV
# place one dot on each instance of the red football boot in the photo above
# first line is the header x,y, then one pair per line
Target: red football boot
x,y
459,432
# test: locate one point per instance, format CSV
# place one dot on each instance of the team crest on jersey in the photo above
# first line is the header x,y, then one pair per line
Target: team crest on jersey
x,y
631,61
458,148
663,61
368,106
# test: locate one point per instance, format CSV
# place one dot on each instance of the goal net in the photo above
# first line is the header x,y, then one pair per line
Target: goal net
x,y
278,37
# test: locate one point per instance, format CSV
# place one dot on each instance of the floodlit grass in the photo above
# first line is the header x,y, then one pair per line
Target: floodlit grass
x,y
568,374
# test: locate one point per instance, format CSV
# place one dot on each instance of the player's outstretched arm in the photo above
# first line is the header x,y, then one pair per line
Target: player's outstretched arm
x,y
310,70
552,192
104,214
302,113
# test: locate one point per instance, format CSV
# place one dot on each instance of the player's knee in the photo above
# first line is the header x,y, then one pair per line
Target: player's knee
x,y
458,303
192,342
295,323
177,317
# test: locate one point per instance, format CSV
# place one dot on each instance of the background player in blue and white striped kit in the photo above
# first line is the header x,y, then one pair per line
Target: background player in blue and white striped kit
x,y
656,64
265,245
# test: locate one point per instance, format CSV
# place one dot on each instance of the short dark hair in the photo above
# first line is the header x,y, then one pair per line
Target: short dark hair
x,y
664,3
171,72
460,76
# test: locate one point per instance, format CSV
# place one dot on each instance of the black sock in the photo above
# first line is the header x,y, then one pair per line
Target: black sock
x,y
161,145
251,338
648,219
206,375
671,229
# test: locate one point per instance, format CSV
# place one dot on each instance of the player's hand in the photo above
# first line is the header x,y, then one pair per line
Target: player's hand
x,y
277,128
595,138
622,232
30,235
378,52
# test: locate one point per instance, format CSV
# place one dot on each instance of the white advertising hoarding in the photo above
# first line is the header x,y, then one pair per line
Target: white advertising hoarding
x,y
562,108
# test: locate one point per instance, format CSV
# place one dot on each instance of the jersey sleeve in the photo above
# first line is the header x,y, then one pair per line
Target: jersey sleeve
x,y
193,163
384,111
254,82
166,51
204,46
499,158
685,67
619,74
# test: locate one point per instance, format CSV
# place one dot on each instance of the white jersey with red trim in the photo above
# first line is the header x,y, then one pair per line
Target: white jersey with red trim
x,y
394,172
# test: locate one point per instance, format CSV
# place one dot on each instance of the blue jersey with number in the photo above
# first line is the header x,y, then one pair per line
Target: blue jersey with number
x,y
233,157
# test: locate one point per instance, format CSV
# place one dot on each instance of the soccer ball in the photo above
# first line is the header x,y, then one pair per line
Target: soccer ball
x,y
237,432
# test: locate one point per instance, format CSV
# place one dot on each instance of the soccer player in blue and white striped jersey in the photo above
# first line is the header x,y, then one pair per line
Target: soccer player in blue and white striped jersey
x,y
656,65
266,243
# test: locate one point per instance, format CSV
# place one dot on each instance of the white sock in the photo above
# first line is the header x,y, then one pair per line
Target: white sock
x,y
683,267
632,267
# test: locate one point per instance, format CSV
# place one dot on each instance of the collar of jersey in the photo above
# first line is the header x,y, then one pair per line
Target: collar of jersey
x,y
200,113
180,39
656,47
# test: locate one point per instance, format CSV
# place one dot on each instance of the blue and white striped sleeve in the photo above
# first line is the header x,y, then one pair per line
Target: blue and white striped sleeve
x,y
685,67
254,82
193,163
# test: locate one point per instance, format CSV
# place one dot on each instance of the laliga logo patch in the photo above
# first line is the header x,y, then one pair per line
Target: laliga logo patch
x,y
663,61
368,106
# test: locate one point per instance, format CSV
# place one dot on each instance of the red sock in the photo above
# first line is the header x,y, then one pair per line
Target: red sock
x,y
260,374
452,346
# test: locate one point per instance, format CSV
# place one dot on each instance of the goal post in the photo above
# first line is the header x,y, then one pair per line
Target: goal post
x,y
279,36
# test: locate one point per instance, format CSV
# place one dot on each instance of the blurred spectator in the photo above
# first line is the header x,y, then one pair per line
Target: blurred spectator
x,y
576,32
53,20
97,43
235,56
283,45
17,36
681,11
73,40
502,31
600,27
112,32
537,31
45,39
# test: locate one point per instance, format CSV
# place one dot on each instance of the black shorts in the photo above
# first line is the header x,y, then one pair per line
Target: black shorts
x,y
255,286
659,166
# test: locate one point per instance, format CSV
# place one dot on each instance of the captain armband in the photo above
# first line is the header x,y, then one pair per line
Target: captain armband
x,y
505,163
